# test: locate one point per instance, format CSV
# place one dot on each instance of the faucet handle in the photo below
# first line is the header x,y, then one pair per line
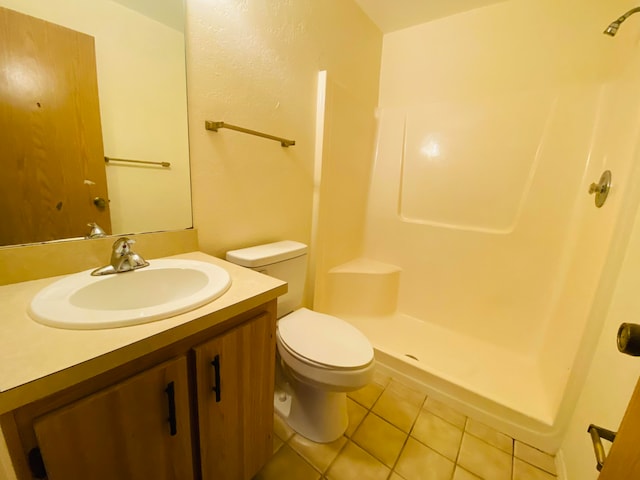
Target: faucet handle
x,y
121,248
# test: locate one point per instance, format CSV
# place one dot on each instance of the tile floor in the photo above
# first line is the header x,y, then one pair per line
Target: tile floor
x,y
399,433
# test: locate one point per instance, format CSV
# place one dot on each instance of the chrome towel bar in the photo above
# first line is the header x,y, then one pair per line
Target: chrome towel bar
x,y
162,164
214,126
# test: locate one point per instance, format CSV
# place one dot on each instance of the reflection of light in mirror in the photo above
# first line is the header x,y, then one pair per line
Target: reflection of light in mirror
x,y
431,149
24,80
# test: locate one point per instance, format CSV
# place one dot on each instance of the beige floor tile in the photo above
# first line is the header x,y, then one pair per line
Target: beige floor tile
x,y
535,457
281,429
287,465
484,460
396,410
368,395
445,411
524,471
356,413
319,455
418,462
277,443
354,463
380,439
462,474
395,476
409,394
437,434
489,435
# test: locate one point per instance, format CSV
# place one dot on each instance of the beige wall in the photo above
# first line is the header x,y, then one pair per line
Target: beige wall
x,y
256,64
514,45
142,85
6,468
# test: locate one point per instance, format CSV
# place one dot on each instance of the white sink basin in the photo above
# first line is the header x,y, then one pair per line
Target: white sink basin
x,y
165,288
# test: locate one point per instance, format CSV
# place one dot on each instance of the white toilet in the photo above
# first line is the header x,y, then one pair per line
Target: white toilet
x,y
322,356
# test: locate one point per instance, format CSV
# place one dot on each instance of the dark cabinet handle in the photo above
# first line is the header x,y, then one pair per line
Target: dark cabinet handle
x,y
216,372
171,397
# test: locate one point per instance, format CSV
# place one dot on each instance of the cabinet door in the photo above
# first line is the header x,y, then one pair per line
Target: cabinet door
x,y
235,380
136,429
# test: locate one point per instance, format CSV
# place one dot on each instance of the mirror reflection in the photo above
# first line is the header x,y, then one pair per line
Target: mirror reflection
x,y
80,81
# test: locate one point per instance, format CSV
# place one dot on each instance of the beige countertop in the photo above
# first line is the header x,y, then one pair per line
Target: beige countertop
x,y
36,360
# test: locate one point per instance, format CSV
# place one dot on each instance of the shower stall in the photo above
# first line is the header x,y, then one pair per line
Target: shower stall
x,y
483,266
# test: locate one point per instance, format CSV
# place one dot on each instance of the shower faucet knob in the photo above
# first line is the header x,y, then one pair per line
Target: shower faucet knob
x,y
594,187
601,189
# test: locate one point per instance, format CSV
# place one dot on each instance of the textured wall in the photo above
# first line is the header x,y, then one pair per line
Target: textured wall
x,y
256,64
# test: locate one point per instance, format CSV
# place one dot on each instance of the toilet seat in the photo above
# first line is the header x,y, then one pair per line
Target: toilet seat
x,y
324,341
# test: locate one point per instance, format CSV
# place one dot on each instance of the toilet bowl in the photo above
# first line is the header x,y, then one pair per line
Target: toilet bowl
x,y
323,357
320,357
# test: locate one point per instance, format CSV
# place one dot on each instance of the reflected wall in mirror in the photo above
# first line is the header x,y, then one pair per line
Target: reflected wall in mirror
x,y
140,67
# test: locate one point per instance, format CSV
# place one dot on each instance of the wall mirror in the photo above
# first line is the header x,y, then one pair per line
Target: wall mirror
x,y
141,109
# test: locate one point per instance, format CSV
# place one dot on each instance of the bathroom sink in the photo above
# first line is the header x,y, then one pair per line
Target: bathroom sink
x,y
165,288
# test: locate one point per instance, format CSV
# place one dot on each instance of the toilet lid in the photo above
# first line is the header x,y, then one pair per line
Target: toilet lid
x,y
324,339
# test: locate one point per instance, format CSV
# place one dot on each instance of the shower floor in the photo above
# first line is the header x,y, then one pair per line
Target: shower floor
x,y
451,362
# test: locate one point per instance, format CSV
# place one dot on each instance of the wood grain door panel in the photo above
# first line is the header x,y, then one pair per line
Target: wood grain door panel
x,y
52,154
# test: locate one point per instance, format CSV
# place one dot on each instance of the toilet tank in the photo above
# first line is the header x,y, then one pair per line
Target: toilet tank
x,y
286,260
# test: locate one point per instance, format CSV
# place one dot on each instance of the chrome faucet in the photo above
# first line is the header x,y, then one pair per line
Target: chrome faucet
x,y
96,231
123,259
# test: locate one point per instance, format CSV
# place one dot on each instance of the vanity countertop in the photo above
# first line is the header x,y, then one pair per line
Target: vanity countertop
x,y
36,360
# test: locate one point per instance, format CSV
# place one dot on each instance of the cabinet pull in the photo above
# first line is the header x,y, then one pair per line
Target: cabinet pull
x,y
171,397
216,372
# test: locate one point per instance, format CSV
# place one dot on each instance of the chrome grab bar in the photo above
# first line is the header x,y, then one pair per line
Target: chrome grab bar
x,y
596,434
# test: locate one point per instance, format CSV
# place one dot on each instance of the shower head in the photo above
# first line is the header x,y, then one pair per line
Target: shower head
x,y
613,27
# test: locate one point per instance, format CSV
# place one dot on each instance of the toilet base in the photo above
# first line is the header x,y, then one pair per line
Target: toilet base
x,y
316,414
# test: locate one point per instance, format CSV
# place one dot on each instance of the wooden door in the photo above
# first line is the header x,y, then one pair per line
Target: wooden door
x,y
123,432
623,461
235,381
51,154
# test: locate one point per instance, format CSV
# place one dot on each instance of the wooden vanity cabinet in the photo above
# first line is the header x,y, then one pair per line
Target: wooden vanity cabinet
x,y
235,401
138,428
201,408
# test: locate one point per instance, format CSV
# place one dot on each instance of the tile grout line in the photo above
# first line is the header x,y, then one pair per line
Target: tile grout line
x,y
324,474
422,408
413,424
349,438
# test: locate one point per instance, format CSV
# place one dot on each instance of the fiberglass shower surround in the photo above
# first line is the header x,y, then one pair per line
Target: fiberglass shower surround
x,y
480,275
